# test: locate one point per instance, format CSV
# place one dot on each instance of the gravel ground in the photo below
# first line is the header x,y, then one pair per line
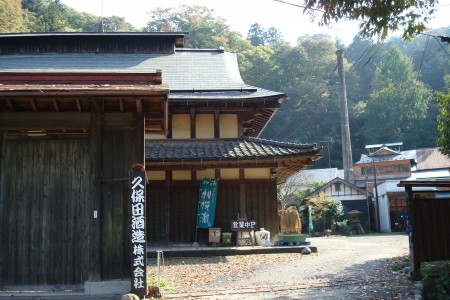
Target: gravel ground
x,y
356,267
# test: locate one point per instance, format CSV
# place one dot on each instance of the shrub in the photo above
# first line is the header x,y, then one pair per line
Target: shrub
x,y
436,279
343,227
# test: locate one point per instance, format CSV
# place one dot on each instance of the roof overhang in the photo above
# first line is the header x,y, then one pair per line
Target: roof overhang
x,y
50,93
285,159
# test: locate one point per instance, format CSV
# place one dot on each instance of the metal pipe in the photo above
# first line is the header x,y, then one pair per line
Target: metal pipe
x,y
159,252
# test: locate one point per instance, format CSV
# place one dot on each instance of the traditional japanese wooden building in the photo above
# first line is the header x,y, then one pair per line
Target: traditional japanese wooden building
x,y
78,109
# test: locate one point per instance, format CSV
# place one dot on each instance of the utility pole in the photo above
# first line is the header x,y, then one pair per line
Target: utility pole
x,y
377,207
328,147
345,127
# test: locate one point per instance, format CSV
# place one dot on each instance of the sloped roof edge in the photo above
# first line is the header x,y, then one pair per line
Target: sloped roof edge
x,y
223,149
337,179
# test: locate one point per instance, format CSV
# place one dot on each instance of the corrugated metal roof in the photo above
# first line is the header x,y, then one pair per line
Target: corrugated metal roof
x,y
223,149
387,145
404,155
317,175
187,72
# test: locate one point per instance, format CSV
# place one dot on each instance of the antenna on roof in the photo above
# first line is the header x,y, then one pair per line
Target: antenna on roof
x,y
101,27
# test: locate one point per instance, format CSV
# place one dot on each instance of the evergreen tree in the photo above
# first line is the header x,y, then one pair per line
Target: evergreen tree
x,y
398,100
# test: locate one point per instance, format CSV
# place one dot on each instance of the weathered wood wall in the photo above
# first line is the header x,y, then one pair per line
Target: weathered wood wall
x,y
430,230
182,202
45,190
50,189
115,203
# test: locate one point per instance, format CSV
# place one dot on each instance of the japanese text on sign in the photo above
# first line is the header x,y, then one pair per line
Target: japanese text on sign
x,y
138,240
243,225
207,203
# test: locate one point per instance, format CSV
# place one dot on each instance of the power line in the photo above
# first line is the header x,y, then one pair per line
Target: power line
x,y
301,6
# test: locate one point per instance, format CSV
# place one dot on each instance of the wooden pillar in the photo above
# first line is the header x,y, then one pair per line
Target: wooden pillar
x,y
414,265
140,139
240,125
242,205
169,126
2,205
167,200
193,125
95,238
216,124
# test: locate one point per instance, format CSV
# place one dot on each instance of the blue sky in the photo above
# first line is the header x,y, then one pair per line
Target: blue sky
x,y
241,14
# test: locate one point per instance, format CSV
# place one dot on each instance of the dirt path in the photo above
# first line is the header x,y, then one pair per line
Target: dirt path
x,y
358,267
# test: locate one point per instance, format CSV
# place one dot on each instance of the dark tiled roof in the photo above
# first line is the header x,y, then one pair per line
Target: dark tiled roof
x,y
190,74
223,149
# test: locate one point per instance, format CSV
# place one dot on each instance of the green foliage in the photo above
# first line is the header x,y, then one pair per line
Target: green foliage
x,y
303,72
343,227
387,87
54,16
11,13
163,283
436,279
259,36
398,100
400,264
377,18
326,212
116,24
311,186
443,100
206,30
257,66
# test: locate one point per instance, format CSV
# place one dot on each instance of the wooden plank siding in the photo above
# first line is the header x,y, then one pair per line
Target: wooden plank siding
x,y
118,156
2,205
431,230
44,211
260,197
50,188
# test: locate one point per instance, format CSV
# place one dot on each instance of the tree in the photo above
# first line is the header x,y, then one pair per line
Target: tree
x,y
443,100
205,29
377,17
398,100
326,211
116,24
256,35
311,113
273,37
259,36
257,67
11,13
292,193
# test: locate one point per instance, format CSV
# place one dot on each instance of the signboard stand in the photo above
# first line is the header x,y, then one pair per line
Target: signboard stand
x,y
243,227
138,234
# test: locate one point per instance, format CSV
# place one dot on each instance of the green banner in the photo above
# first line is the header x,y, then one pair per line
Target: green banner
x,y
207,202
311,227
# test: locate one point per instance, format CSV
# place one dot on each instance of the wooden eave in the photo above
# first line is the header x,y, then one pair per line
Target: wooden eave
x,y
50,95
284,166
256,114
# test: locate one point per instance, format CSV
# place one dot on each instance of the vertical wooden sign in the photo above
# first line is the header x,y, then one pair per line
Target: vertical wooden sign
x,y
138,235
207,203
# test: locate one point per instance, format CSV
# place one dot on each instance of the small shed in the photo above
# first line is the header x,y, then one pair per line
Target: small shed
x,y
428,225
351,196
